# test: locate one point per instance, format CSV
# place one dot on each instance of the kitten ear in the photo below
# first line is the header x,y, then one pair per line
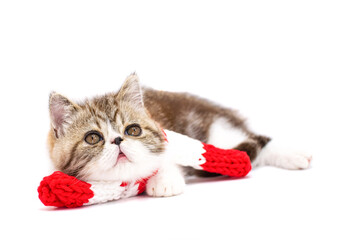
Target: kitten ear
x,y
131,92
61,111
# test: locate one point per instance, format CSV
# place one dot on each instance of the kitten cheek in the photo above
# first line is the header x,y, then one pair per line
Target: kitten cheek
x,y
135,151
131,151
107,158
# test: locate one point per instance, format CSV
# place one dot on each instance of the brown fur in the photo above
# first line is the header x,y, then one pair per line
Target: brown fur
x,y
193,116
187,114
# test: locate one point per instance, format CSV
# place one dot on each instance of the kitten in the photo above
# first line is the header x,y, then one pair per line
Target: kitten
x,y
118,136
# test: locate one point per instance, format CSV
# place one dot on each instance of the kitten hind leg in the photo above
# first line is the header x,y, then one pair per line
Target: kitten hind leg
x,y
261,150
274,155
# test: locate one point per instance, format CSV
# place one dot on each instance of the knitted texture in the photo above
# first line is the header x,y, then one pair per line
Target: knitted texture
x,y
229,162
61,190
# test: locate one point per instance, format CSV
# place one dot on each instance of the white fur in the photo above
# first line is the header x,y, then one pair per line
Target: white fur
x,y
169,181
142,163
180,150
184,150
277,156
223,135
111,134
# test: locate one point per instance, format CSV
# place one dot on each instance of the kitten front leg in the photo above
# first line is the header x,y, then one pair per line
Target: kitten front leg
x,y
169,181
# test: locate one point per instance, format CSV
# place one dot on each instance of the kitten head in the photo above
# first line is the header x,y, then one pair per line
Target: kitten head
x,y
111,137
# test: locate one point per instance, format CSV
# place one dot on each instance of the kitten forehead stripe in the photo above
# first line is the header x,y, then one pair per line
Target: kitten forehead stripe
x,y
115,114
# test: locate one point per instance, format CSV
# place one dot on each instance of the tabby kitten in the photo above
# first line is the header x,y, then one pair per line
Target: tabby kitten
x,y
118,136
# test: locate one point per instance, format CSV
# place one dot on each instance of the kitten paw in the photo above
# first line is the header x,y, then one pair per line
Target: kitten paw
x,y
159,186
296,160
277,156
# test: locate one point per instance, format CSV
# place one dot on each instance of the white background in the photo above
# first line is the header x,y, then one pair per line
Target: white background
x,y
282,63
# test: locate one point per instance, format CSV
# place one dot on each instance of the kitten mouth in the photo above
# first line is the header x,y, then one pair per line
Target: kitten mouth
x,y
121,154
121,157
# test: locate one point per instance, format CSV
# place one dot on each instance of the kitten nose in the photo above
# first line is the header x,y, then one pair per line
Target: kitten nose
x,y
117,140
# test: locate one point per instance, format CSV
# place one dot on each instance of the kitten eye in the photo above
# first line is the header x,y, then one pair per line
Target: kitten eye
x,y
93,138
133,130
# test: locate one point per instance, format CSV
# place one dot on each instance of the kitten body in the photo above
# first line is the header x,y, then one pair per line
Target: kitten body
x,y
117,154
